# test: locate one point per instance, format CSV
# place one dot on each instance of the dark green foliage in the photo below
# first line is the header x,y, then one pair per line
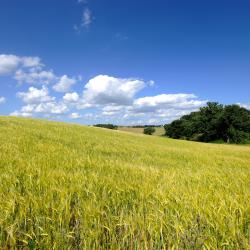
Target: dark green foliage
x,y
109,126
215,122
144,126
148,130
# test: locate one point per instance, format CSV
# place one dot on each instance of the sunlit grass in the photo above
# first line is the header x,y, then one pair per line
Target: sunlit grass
x,y
159,131
68,187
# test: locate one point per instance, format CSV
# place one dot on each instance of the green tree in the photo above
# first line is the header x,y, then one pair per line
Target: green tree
x,y
236,124
211,118
175,129
230,123
149,130
109,126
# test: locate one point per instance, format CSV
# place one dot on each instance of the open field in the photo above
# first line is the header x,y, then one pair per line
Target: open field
x,y
158,130
74,187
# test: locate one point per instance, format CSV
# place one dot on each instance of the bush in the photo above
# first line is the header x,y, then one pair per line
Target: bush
x,y
149,130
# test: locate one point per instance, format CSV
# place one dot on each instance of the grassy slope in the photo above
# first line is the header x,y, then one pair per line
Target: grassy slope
x,y
158,130
73,186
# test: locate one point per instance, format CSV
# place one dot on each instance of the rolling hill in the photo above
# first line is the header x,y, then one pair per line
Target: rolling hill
x,y
159,131
65,186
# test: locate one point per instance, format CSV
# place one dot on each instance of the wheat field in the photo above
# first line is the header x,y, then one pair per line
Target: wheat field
x,y
159,131
68,186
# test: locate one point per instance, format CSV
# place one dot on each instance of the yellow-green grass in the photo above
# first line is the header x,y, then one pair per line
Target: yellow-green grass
x,y
158,130
74,187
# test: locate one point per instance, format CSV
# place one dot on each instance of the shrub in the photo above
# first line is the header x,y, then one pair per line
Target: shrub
x,y
149,130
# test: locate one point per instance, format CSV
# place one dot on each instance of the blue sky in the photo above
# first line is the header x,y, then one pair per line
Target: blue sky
x,y
124,62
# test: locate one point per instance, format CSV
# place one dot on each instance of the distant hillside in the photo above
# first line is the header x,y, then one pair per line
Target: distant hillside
x,y
68,186
139,130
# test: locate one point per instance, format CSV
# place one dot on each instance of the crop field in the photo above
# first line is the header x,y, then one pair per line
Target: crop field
x,y
158,130
68,186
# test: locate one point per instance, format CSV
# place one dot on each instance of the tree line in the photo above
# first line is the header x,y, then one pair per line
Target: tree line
x,y
215,122
109,126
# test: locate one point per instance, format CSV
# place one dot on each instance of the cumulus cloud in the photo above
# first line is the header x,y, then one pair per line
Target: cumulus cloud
x,y
112,110
64,84
2,99
21,114
71,97
114,99
108,90
10,63
246,106
30,62
75,115
42,108
110,98
40,102
34,76
25,69
35,95
166,102
162,108
151,83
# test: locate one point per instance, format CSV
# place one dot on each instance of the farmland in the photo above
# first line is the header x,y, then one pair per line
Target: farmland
x,y
68,186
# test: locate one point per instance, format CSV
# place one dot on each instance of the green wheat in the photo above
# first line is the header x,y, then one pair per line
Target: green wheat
x,y
74,187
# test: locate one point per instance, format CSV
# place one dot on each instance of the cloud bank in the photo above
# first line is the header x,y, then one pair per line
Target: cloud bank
x,y
103,98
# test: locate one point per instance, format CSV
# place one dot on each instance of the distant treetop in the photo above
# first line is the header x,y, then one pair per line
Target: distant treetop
x,y
109,126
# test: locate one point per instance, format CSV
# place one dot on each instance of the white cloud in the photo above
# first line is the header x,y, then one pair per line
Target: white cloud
x,y
112,110
2,99
110,98
246,106
34,76
51,108
30,62
158,109
8,64
86,18
107,90
161,108
165,102
35,95
25,69
64,84
114,99
71,97
151,83
45,108
22,114
75,116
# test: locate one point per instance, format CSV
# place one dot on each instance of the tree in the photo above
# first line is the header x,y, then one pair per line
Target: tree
x,y
230,123
236,124
175,129
211,117
148,130
109,126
